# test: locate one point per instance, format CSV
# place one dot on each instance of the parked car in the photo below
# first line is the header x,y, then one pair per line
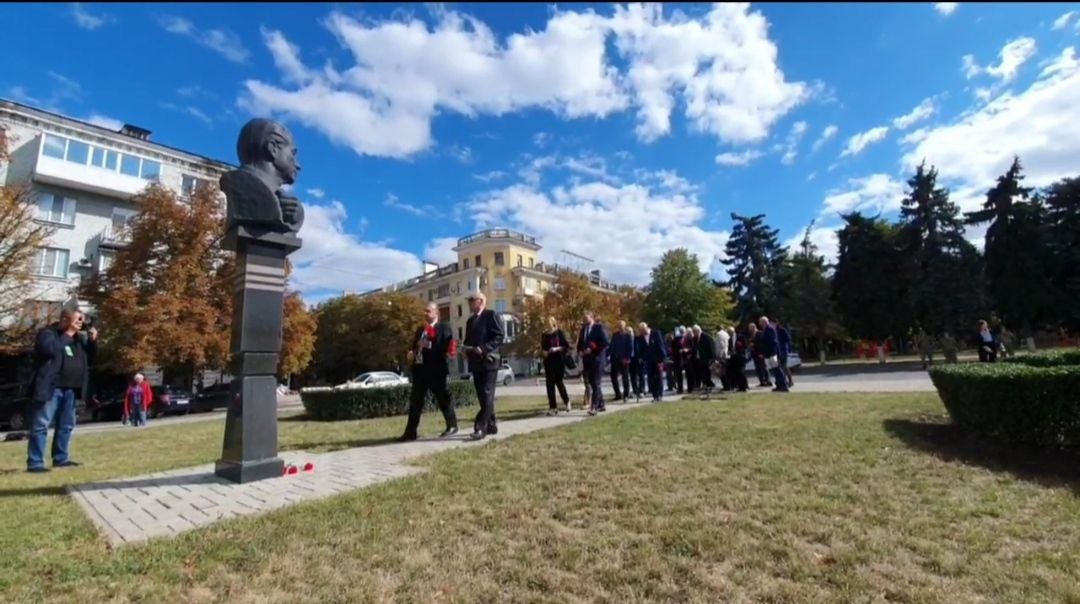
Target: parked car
x,y
105,406
505,374
793,361
374,379
171,399
13,405
213,397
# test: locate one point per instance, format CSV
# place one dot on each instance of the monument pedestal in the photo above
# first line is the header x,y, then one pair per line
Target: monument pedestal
x,y
250,449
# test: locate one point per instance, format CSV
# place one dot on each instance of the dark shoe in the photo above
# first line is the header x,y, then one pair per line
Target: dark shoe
x,y
493,430
40,470
452,430
592,412
404,438
67,464
552,412
477,436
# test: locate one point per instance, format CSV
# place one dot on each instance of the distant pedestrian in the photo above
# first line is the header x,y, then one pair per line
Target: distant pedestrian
x,y
784,337
988,345
137,400
555,349
770,351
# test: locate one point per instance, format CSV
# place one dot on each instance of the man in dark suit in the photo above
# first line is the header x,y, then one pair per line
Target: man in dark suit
x,y
705,353
431,346
653,355
770,353
483,336
621,353
591,344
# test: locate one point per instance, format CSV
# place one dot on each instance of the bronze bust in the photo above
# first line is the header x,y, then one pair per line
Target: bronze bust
x,y
253,193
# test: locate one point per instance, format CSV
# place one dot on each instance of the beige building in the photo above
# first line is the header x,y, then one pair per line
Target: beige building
x,y
501,263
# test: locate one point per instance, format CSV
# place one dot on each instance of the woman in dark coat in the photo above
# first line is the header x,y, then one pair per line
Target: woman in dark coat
x,y
554,347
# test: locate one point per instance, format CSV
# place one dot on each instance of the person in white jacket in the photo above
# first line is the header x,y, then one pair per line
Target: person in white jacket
x,y
723,353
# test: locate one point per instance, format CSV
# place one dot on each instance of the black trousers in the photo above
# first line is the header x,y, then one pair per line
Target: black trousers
x,y
678,376
420,387
637,376
693,381
656,386
704,374
762,371
620,371
736,373
553,378
484,382
594,369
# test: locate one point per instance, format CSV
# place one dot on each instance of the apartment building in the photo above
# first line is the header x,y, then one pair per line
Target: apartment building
x,y
83,178
501,263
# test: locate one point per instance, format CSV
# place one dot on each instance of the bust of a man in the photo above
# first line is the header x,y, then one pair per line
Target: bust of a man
x,y
253,193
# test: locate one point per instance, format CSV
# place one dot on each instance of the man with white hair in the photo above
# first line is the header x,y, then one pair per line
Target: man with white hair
x,y
704,354
723,353
770,352
137,400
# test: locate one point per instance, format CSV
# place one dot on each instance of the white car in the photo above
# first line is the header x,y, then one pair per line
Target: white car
x,y
505,376
793,361
374,379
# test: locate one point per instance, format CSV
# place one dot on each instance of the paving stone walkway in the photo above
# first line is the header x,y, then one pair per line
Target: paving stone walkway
x,y
132,510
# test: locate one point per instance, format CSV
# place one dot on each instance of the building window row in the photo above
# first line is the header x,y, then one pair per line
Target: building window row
x,y
188,184
75,151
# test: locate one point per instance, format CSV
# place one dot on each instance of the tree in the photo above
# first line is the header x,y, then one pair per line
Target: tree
x,y
754,258
1016,253
805,304
20,240
167,297
297,337
355,334
942,274
631,302
1063,235
680,294
866,285
570,296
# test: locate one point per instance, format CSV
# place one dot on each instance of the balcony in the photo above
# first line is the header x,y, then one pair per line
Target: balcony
x,y
513,236
114,237
75,168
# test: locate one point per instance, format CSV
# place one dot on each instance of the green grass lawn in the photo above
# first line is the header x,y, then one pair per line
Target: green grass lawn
x,y
855,497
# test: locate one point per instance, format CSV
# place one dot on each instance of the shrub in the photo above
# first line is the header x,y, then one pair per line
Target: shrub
x,y
328,404
1054,359
1014,402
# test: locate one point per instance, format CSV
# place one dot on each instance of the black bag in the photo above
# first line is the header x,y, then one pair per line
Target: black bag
x,y
568,362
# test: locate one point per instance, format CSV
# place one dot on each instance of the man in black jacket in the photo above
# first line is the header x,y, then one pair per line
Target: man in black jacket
x,y
483,336
592,340
705,354
431,346
62,359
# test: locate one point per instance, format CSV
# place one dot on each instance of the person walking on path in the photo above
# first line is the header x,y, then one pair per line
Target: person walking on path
x,y
555,350
987,344
653,357
483,336
591,344
137,400
63,355
432,346
621,353
770,351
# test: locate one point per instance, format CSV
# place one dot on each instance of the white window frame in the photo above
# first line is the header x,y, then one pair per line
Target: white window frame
x,y
61,254
102,255
67,211
90,157
500,284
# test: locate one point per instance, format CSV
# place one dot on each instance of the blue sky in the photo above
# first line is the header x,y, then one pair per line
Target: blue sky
x,y
613,131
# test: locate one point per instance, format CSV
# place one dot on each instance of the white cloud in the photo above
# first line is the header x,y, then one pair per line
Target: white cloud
x,y
316,192
856,144
742,158
490,176
869,194
811,176
826,135
105,121
426,211
461,153
1040,124
1013,56
1063,21
651,221
924,110
333,260
791,144
222,41
85,19
541,139
441,251
946,8
722,66
824,238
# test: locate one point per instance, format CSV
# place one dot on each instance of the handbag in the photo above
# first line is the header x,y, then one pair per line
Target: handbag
x,y
568,362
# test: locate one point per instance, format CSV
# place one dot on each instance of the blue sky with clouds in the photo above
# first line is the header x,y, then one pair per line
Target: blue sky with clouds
x,y
613,131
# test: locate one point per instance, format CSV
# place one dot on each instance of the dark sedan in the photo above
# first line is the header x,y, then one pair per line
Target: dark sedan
x,y
171,400
213,397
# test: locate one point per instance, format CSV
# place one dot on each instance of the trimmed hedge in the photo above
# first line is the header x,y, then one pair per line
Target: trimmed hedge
x,y
1054,359
329,404
1014,402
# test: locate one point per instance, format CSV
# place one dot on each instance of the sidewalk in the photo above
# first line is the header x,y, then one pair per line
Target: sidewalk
x,y
131,510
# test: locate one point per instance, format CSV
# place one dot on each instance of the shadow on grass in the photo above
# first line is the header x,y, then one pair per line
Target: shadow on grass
x,y
952,443
33,491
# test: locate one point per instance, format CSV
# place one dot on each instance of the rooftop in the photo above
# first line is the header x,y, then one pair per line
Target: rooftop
x,y
515,236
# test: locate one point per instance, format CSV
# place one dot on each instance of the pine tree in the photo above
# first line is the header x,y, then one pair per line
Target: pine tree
x,y
805,305
754,258
943,271
1063,238
866,286
1016,253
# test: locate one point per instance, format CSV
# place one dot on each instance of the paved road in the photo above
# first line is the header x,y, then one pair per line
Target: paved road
x,y
866,378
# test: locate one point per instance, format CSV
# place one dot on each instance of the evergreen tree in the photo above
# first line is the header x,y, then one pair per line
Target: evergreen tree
x,y
867,286
942,274
1016,253
805,304
1063,237
754,258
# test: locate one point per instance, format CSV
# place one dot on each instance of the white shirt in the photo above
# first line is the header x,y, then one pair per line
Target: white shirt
x,y
722,339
